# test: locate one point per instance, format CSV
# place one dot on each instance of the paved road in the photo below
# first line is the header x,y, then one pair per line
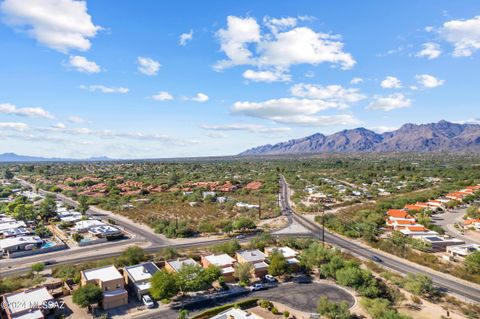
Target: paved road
x,y
450,285
447,221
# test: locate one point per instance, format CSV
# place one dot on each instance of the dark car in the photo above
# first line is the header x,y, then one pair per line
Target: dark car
x,y
376,259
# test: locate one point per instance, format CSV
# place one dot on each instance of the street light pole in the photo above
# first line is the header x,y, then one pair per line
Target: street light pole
x,y
323,228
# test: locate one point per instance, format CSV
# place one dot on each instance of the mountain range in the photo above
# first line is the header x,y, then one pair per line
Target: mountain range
x,y
12,157
432,137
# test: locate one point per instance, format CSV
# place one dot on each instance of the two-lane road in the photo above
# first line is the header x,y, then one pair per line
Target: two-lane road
x,y
457,287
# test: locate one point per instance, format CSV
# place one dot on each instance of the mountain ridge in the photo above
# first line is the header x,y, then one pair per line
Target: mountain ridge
x,y
431,137
15,158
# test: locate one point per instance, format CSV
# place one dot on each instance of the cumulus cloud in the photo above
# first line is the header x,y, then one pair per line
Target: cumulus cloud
x,y
104,89
463,34
252,128
82,64
266,76
76,119
59,126
162,96
7,108
356,80
430,51
332,93
428,81
389,102
148,66
384,129
17,126
293,111
391,82
200,97
62,25
185,37
282,45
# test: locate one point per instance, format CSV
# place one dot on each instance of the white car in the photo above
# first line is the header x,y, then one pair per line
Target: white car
x,y
147,301
256,287
270,278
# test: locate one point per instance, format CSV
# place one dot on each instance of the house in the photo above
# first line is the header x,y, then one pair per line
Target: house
x,y
415,207
417,230
398,213
176,264
69,216
246,205
236,313
398,223
21,231
28,304
288,253
224,262
439,243
110,281
461,251
12,244
256,258
209,193
84,225
138,277
472,223
255,185
11,224
105,231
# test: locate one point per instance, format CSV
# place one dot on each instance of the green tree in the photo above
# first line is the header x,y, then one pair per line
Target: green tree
x,y
244,223
183,314
24,212
228,248
131,256
472,263
420,285
38,267
380,308
315,255
278,264
163,285
243,272
48,208
332,310
83,205
87,295
8,174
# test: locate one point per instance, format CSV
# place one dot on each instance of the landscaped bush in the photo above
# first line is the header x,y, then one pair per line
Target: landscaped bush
x,y
214,311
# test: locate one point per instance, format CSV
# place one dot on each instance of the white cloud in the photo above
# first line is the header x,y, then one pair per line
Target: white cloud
x,y
252,128
429,29
293,111
332,93
391,82
285,45
217,135
266,76
429,81
162,96
14,126
383,129
76,119
185,37
104,89
463,34
200,97
356,80
279,24
82,64
62,25
7,108
59,126
148,66
430,51
389,102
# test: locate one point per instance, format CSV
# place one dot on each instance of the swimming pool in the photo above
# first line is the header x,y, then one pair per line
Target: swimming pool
x,y
48,244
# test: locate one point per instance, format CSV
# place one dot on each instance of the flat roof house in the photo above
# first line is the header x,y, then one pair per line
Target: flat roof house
x,y
176,264
105,231
12,244
256,258
27,304
224,262
287,252
235,313
138,277
110,281
85,225
439,243
461,251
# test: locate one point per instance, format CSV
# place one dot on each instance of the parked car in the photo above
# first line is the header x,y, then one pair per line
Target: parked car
x,y
270,278
256,287
376,259
147,301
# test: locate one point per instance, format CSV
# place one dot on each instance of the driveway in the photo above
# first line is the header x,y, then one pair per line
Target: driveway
x,y
447,221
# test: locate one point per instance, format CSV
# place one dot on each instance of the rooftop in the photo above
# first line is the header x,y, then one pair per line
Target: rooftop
x,y
14,241
235,313
252,255
141,272
220,260
103,273
27,299
287,252
177,264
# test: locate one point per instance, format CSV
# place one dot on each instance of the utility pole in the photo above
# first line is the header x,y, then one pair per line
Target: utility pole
x,y
323,228
259,207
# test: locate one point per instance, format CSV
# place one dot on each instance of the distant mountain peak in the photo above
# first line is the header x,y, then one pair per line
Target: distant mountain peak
x,y
431,137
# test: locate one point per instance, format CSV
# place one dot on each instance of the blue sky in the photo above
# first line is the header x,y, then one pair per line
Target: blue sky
x,y
138,79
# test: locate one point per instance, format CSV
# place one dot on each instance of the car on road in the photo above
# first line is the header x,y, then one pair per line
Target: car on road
x,y
50,262
148,301
376,259
256,287
240,236
270,278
